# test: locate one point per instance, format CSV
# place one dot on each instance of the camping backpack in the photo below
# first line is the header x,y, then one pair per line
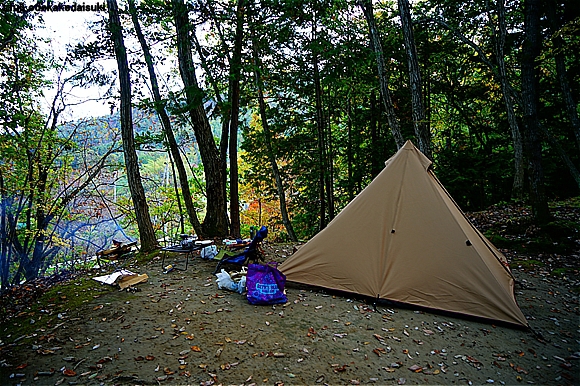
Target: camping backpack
x,y
265,285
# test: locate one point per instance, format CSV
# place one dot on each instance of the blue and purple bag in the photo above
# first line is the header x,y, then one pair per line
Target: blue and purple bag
x,y
265,285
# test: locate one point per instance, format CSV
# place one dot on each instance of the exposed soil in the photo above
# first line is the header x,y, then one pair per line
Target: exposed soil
x,y
179,328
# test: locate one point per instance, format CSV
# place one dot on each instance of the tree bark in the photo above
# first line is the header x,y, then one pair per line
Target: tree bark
x,y
215,222
420,122
146,232
224,141
166,123
367,8
530,97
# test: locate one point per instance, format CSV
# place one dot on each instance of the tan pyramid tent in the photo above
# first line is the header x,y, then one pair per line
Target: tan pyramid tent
x,y
404,239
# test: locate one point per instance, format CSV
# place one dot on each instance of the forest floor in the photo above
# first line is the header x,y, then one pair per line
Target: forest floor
x,y
178,328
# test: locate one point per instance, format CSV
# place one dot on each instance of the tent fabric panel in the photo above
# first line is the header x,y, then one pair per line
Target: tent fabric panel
x,y
343,243
432,235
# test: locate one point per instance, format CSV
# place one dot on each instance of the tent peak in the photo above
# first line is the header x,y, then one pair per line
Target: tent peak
x,y
409,146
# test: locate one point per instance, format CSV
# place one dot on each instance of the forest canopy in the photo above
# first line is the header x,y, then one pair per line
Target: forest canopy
x,y
224,115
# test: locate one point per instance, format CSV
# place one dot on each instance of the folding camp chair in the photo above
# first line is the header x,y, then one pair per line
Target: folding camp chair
x,y
251,253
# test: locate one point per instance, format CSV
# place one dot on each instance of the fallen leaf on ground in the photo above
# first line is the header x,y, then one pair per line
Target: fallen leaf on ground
x,y
379,351
416,368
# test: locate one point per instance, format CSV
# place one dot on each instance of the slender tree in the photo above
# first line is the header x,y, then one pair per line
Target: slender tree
x,y
146,232
508,97
215,222
159,106
367,8
235,70
562,73
323,165
530,96
268,141
419,116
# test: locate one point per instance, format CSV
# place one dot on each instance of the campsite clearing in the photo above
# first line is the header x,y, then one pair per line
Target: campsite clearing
x,y
178,328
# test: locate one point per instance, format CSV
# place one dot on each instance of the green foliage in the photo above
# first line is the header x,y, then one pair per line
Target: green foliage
x,y
340,141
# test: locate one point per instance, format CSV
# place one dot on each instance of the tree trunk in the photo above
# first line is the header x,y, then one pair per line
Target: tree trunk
x,y
419,117
330,174
563,73
350,150
32,266
377,159
268,140
322,169
518,184
215,222
146,232
530,97
166,124
367,8
235,69
4,243
224,142
177,196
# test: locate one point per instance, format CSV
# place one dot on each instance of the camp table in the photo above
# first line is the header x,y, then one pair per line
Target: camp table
x,y
187,249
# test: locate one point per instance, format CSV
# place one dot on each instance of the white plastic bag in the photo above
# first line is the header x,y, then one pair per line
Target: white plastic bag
x,y
242,285
224,281
209,252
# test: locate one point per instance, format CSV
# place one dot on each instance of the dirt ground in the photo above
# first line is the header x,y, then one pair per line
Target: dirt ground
x,y
178,328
